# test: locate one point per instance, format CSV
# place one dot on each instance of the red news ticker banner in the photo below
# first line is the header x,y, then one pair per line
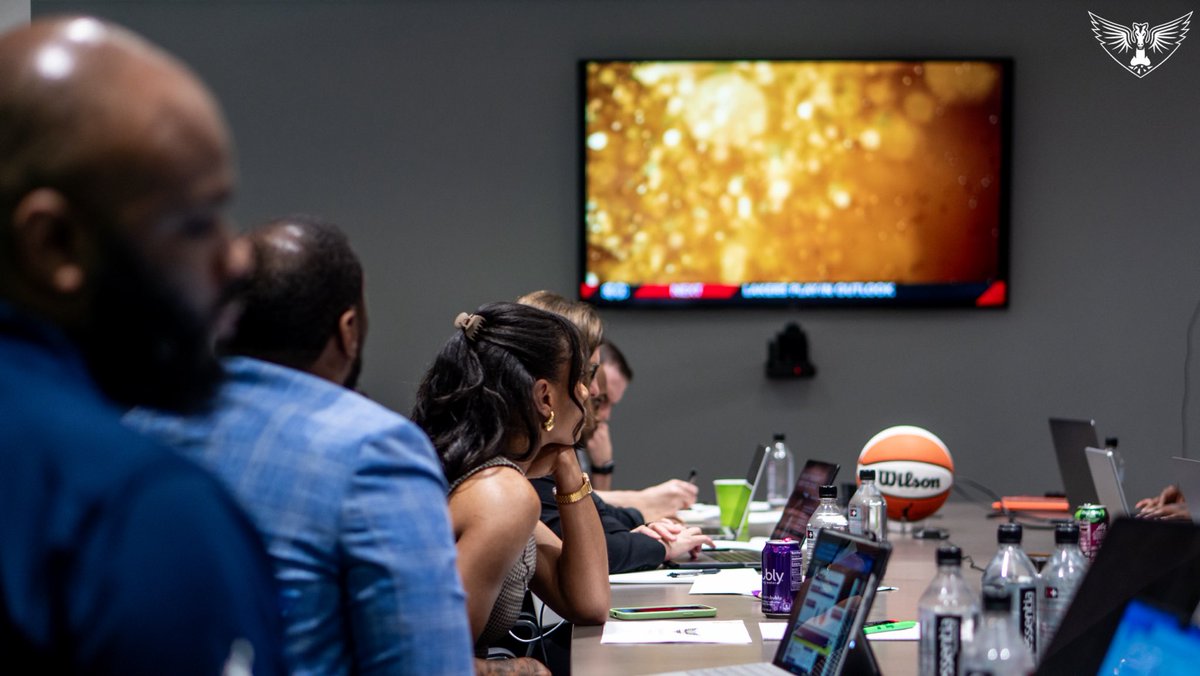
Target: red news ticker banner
x,y
696,290
678,291
995,295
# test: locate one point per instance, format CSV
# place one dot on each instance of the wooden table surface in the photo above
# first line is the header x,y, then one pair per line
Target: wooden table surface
x,y
910,569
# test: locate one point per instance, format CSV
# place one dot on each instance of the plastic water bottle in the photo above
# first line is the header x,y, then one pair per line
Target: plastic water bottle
x,y
1013,573
1060,578
997,648
867,511
827,515
947,612
781,468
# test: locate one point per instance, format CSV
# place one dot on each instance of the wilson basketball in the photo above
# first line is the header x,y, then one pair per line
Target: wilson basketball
x,y
913,469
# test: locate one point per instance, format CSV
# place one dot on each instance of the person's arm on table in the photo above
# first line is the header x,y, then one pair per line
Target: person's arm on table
x,y
1169,495
627,551
677,539
572,572
656,502
1175,511
407,606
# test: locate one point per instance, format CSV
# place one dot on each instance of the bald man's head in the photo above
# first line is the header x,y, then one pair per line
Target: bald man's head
x,y
95,111
303,305
115,169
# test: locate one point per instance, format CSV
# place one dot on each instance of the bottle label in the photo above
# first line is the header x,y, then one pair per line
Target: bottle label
x,y
1027,616
854,514
947,644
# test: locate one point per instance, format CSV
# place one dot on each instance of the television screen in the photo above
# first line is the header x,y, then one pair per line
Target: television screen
x,y
795,182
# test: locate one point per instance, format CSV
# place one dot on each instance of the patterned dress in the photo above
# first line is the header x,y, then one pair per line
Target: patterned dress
x,y
512,592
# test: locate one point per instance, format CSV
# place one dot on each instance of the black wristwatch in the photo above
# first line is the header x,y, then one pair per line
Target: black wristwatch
x,y
606,468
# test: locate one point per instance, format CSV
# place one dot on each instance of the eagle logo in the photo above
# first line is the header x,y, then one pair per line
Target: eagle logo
x,y
1161,41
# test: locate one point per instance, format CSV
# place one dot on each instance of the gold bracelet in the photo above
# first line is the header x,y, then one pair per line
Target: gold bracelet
x,y
570,498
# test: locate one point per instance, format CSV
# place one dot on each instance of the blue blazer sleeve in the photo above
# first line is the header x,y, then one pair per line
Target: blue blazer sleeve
x,y
409,608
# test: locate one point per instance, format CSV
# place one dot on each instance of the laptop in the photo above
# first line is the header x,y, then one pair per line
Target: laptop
x,y
753,474
1151,642
828,612
1070,438
1155,561
1187,474
800,507
804,499
1109,490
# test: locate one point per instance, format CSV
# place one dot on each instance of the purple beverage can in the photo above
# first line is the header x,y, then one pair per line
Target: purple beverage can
x,y
1093,528
780,576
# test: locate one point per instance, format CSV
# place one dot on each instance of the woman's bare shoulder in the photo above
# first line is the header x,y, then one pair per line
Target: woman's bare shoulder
x,y
500,497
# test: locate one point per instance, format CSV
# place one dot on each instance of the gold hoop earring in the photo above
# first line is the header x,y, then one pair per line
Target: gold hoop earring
x,y
549,424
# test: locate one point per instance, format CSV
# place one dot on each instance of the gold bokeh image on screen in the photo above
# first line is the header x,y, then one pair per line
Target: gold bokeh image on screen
x,y
754,171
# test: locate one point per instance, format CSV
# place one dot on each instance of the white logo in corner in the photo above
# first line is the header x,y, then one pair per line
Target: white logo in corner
x,y
1128,45
241,659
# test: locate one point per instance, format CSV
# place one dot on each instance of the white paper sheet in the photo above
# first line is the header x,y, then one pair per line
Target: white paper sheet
x,y
676,631
699,512
728,581
766,518
772,631
754,544
660,576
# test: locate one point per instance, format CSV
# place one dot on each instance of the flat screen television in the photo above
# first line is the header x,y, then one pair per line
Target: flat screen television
x,y
788,182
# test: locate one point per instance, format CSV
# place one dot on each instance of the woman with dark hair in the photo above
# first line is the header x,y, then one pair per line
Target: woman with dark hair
x,y
504,401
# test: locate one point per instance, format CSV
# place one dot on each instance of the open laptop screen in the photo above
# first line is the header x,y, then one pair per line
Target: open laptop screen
x,y
830,606
804,499
1070,438
1149,642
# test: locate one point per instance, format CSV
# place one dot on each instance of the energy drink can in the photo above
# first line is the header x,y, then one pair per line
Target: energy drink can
x,y
780,576
1093,528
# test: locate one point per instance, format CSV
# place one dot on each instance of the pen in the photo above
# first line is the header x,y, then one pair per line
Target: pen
x,y
883,589
693,573
890,626
692,476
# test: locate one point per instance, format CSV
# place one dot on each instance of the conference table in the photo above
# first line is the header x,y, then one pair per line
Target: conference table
x,y
910,570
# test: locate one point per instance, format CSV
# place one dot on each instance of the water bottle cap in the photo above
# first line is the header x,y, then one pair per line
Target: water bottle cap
x,y
866,474
827,491
779,436
1009,534
949,555
1066,533
997,599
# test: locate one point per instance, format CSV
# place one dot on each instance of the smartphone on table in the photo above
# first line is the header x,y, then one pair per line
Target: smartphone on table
x,y
663,612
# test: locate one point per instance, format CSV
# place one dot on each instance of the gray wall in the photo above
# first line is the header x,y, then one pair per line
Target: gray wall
x,y
443,136
13,12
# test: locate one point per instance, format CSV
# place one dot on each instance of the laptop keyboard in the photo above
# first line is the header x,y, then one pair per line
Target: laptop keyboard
x,y
734,555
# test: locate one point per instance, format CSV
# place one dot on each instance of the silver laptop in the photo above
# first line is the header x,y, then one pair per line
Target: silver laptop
x,y
1070,438
1187,474
730,558
1109,490
753,474
828,612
